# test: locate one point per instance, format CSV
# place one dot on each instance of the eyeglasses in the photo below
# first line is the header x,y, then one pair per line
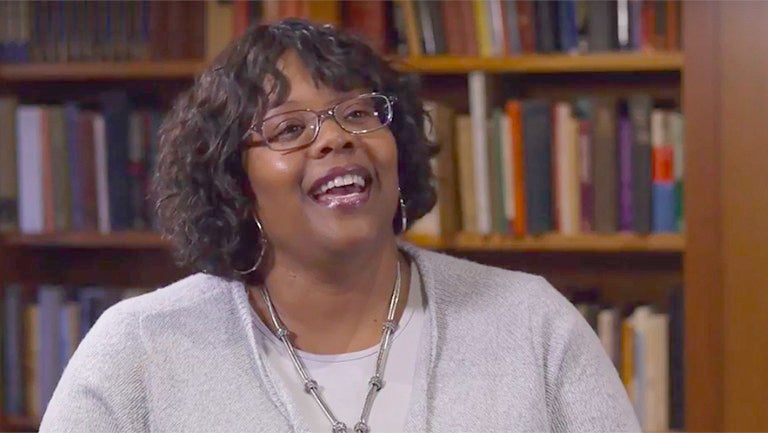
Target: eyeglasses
x,y
297,128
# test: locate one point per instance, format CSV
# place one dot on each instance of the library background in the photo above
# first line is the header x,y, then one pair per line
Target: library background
x,y
615,147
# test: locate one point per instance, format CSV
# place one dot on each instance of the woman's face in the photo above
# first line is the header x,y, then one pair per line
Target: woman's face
x,y
299,214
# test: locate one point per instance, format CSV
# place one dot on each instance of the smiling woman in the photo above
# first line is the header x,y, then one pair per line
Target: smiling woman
x,y
285,175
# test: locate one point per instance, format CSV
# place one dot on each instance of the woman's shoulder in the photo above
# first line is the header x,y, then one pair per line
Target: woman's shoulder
x,y
192,297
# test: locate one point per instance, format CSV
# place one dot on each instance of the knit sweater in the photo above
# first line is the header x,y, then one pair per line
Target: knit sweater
x,y
501,351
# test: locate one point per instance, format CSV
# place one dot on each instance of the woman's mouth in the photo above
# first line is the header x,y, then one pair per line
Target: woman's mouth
x,y
345,188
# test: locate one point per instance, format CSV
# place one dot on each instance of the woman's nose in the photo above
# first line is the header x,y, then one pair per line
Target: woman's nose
x,y
331,137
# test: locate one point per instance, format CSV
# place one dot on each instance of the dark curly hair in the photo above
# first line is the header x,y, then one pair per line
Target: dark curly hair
x,y
203,199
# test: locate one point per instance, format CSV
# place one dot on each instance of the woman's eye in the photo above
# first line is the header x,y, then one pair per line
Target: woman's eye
x,y
288,131
359,114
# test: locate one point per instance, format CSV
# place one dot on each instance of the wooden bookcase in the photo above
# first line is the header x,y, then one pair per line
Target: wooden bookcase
x,y
721,261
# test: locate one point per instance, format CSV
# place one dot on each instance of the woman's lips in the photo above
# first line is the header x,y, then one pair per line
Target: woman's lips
x,y
347,201
347,187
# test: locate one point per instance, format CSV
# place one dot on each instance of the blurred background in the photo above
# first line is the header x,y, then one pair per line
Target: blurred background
x,y
616,147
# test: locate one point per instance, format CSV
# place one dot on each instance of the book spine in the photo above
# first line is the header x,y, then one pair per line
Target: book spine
x,y
29,148
640,115
626,211
478,108
605,166
537,139
514,114
663,177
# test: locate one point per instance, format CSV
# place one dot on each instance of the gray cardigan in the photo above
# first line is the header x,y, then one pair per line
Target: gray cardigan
x,y
501,351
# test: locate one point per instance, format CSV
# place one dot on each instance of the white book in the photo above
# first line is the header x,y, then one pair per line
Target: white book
x,y
640,322
102,184
478,110
508,174
29,154
566,170
656,414
608,332
658,129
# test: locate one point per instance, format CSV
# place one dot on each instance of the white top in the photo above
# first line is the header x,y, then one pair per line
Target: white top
x,y
343,378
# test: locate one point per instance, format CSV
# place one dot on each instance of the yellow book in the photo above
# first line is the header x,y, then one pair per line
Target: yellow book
x,y
628,357
483,27
466,173
31,353
324,11
219,27
411,28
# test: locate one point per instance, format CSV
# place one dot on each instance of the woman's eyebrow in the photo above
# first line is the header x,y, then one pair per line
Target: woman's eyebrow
x,y
291,105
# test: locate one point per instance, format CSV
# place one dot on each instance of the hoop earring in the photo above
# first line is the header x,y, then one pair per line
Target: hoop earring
x,y
263,242
403,216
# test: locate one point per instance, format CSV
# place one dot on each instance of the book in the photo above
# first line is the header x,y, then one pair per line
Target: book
x,y
466,166
604,162
478,108
29,145
8,175
640,107
537,142
584,118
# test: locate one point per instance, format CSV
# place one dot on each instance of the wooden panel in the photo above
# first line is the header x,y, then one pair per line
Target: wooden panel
x,y
108,267
702,263
744,153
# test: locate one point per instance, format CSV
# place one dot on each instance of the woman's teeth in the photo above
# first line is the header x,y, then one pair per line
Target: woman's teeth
x,y
346,180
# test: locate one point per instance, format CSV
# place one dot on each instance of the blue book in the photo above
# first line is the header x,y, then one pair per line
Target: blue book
x,y
664,220
71,126
49,301
513,33
569,37
89,299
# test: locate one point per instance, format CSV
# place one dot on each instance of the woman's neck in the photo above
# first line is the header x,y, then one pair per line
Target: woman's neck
x,y
338,307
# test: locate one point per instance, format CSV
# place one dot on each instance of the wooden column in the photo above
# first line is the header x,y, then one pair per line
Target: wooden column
x,y
725,97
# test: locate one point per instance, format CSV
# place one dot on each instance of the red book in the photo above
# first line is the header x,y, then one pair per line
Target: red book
x,y
368,19
240,15
526,25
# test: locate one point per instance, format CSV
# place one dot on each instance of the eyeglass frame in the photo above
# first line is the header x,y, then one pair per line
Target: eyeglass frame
x,y
320,117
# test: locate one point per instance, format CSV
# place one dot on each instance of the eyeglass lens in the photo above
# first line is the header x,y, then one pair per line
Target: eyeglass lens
x,y
298,128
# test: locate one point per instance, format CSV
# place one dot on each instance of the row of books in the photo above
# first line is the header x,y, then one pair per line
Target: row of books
x,y
42,327
513,27
594,164
68,167
645,343
83,30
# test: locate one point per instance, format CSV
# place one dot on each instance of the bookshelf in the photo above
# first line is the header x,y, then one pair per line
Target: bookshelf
x,y
431,65
466,242
717,261
34,72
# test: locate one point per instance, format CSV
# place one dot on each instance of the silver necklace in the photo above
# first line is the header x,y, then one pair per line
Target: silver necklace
x,y
375,384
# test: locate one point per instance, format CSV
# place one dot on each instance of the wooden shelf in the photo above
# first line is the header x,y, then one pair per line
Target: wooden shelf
x,y
549,63
88,240
622,242
662,243
32,72
16,424
529,63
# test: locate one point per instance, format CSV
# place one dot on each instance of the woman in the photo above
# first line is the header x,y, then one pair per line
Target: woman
x,y
284,176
